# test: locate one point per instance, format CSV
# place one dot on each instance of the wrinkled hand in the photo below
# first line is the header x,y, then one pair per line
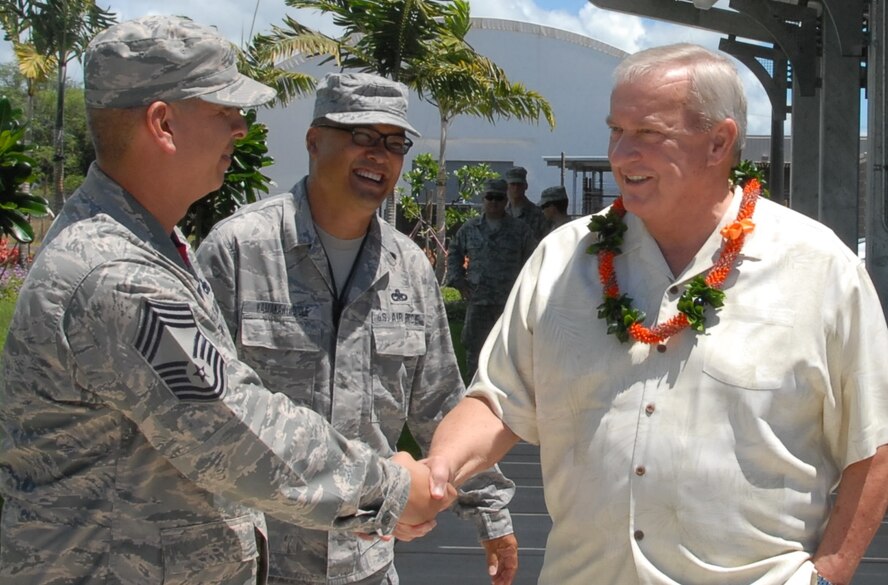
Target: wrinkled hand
x,y
502,559
407,532
440,475
419,514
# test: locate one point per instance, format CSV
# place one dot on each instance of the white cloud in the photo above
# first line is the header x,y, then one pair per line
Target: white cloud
x,y
235,19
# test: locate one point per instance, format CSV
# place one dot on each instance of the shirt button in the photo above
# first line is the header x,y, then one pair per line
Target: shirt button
x,y
673,290
661,348
640,470
639,535
649,409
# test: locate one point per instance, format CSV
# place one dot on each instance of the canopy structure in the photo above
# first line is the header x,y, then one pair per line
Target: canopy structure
x,y
813,59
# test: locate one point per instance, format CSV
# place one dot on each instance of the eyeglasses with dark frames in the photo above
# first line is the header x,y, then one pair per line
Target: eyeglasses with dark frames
x,y
396,143
494,197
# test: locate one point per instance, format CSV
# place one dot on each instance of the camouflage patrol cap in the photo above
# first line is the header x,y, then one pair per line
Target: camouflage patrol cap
x,y
165,58
495,186
553,194
362,98
516,175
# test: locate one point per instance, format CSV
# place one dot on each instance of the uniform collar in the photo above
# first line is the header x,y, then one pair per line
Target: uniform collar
x,y
102,195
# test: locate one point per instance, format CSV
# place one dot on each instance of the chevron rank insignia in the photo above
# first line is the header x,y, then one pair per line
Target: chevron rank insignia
x,y
187,362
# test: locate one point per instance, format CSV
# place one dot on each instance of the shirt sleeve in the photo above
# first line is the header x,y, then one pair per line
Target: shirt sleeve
x,y
505,365
437,388
150,345
856,410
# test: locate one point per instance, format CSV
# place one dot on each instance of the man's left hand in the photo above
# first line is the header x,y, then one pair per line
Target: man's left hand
x,y
502,559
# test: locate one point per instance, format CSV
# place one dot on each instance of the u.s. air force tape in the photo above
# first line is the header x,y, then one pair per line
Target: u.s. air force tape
x,y
181,355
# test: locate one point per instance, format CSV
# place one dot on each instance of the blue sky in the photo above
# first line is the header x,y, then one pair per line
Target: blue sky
x,y
234,19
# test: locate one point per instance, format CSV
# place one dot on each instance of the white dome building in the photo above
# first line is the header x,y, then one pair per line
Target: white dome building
x,y
571,71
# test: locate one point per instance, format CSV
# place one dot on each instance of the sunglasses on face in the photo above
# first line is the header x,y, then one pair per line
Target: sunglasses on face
x,y
396,143
493,197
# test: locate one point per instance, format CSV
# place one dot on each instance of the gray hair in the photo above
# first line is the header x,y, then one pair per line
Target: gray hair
x,y
716,90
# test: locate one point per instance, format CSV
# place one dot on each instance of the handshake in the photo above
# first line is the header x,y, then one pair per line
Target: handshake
x,y
431,491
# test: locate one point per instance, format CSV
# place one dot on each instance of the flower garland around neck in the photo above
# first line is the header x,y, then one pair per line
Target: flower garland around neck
x,y
625,321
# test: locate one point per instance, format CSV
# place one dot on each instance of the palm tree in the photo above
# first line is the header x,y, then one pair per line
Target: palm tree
x,y
422,44
461,82
261,60
61,29
35,67
263,57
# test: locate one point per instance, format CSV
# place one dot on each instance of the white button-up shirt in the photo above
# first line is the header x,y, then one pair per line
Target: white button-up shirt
x,y
709,460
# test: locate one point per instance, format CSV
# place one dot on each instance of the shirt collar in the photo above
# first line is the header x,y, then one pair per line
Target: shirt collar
x,y
638,242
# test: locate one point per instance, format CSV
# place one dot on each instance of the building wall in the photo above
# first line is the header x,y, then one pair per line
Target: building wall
x,y
571,71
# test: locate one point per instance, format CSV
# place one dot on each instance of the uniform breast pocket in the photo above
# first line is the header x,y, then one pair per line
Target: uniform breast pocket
x,y
750,346
283,353
215,552
396,353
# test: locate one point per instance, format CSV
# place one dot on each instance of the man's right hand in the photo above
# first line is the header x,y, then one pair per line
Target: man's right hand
x,y
421,506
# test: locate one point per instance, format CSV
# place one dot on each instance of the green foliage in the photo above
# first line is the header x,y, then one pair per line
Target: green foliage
x,y
746,170
694,300
456,309
52,30
470,179
16,204
7,308
259,60
610,228
381,36
425,170
619,314
450,294
244,183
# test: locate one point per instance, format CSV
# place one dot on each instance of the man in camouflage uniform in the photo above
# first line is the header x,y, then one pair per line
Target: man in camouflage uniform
x,y
495,246
523,208
342,313
553,204
136,447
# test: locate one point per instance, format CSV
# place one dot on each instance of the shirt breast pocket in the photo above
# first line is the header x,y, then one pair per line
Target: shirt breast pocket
x,y
396,353
749,347
283,353
216,552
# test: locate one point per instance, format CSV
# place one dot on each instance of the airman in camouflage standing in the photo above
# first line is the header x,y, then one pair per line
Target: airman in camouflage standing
x,y
553,203
343,314
136,447
523,208
495,246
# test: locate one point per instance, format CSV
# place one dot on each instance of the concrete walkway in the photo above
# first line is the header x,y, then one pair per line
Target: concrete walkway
x,y
451,553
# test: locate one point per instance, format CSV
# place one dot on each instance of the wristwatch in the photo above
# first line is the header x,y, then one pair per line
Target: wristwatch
x,y
821,580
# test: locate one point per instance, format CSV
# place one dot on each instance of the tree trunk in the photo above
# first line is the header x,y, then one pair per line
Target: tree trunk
x,y
58,159
440,208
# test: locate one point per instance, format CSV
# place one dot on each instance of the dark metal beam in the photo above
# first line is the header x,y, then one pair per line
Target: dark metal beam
x,y
794,29
775,84
847,18
714,19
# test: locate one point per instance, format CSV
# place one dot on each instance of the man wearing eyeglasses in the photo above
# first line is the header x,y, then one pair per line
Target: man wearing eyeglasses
x,y
341,312
483,261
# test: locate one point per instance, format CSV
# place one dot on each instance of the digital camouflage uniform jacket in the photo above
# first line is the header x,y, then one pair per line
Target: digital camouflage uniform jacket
x,y
133,438
495,258
531,214
389,362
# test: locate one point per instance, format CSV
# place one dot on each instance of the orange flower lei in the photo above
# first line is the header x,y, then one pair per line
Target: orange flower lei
x,y
625,321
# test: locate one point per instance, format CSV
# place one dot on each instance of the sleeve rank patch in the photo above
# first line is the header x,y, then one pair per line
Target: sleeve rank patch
x,y
172,344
